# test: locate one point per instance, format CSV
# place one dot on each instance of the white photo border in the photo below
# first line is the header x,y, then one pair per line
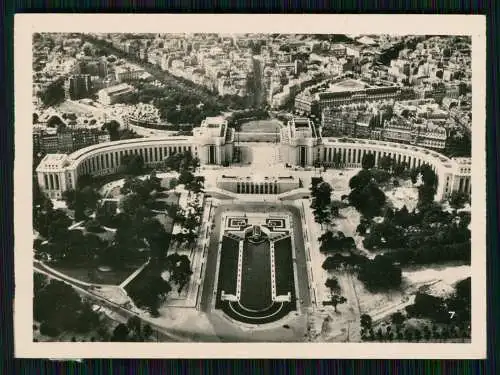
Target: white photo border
x,y
26,24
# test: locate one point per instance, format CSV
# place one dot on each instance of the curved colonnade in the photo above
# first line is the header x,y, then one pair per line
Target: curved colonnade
x,y
59,172
453,174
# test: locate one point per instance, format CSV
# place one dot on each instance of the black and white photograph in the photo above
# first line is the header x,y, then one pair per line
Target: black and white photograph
x,y
214,183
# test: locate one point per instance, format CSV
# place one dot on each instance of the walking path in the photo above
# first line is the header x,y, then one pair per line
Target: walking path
x,y
123,313
134,274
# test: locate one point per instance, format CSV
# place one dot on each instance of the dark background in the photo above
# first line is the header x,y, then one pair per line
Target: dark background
x,y
17,366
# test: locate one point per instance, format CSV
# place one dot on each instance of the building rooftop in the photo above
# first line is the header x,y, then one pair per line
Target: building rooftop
x,y
127,68
347,85
463,161
117,88
53,161
106,146
212,126
258,178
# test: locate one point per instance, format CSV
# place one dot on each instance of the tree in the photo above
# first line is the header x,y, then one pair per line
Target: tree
x,y
333,262
149,290
39,281
112,127
368,161
81,200
180,269
120,333
333,285
321,199
334,243
132,164
361,179
399,169
58,305
85,180
336,300
426,194
134,325
49,330
429,177
427,306
463,289
158,239
315,181
380,273
385,163
94,226
131,204
368,200
173,183
366,321
335,209
196,184
53,94
154,182
186,177
58,223
88,49
418,334
458,199
408,335
147,331
397,318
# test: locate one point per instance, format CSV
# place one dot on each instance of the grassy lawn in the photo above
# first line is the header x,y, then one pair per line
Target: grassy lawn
x,y
228,266
261,126
145,286
165,182
172,197
114,192
166,221
105,235
94,275
283,266
256,276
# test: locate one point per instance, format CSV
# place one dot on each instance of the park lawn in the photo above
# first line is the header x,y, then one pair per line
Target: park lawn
x,y
377,302
433,277
256,292
105,235
165,181
172,198
91,274
261,126
114,192
283,266
166,221
228,267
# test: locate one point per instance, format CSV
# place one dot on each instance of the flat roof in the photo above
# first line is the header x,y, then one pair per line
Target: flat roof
x,y
116,88
53,161
442,158
348,85
137,142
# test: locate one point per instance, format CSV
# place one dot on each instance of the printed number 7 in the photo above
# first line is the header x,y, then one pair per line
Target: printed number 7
x,y
452,314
